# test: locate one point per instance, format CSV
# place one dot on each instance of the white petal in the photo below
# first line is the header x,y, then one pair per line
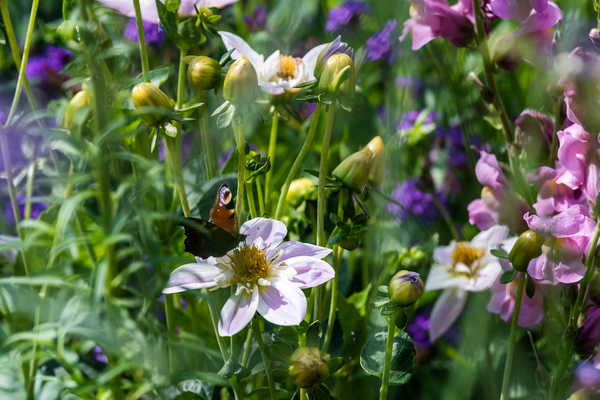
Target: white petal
x,y
241,48
310,271
238,311
125,7
270,67
440,277
273,87
282,304
443,255
491,238
446,310
215,3
194,276
310,59
486,276
269,230
295,249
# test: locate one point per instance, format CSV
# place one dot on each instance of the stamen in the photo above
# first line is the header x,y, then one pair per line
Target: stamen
x,y
287,67
466,254
249,264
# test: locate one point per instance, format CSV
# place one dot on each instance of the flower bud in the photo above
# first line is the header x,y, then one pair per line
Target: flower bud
x,y
354,170
300,190
377,149
335,78
203,73
308,366
66,30
80,101
405,288
241,82
527,247
148,95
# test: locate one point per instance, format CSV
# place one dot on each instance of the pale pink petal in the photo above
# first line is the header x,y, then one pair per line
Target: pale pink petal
x,y
241,48
446,310
238,311
485,278
440,278
597,361
214,3
571,271
125,7
491,238
311,271
282,304
481,215
311,57
194,276
271,231
295,249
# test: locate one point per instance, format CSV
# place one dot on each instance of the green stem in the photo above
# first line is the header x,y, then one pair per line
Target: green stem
x,y
174,164
323,173
297,164
251,202
240,141
446,216
512,338
181,80
214,322
247,347
265,358
387,361
22,78
271,153
170,317
14,48
29,189
333,300
142,40
207,151
259,193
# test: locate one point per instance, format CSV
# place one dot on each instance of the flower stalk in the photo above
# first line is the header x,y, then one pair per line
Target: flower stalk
x,y
297,164
240,140
271,154
141,40
265,358
513,337
387,361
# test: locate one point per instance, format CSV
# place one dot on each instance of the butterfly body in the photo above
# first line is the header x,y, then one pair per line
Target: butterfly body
x,y
218,235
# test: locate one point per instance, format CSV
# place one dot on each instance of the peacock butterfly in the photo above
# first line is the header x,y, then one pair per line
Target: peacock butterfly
x,y
218,235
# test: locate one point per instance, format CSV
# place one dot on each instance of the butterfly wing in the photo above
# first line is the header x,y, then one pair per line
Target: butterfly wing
x,y
205,239
222,212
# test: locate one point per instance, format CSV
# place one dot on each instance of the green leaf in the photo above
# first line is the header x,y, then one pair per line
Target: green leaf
x,y
508,277
500,253
172,5
403,357
168,20
67,5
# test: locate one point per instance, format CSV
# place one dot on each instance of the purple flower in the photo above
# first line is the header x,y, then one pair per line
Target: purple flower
x,y
153,33
418,329
267,275
257,19
379,46
99,355
36,208
341,16
409,119
587,376
46,67
307,109
414,202
588,336
503,304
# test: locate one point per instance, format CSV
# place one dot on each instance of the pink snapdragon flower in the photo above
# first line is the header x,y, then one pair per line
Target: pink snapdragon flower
x,y
503,303
268,276
430,19
150,12
497,205
532,15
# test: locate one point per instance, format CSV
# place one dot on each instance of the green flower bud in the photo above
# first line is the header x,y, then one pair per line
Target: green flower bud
x,y
308,366
80,101
203,73
300,190
405,288
66,30
241,82
148,95
377,149
337,76
354,170
527,247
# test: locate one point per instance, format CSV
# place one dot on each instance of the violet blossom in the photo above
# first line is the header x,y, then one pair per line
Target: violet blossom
x,y
47,66
267,275
257,19
153,33
339,17
414,202
380,45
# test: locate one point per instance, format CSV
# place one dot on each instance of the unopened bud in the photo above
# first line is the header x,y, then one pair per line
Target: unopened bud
x,y
527,247
147,95
308,366
377,149
241,82
203,73
405,288
337,76
66,30
300,190
80,101
354,170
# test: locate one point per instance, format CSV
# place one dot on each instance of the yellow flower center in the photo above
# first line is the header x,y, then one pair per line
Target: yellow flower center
x,y
287,67
249,264
466,254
